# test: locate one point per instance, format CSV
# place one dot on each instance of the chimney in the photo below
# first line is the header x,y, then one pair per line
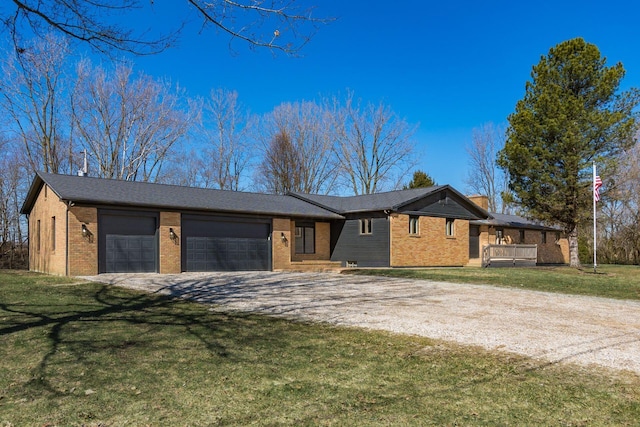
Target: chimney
x,y
482,201
85,169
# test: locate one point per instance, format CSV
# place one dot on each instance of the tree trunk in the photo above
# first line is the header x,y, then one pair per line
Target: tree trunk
x,y
574,259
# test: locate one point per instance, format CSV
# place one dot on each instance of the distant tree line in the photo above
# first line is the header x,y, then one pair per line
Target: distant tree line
x,y
135,127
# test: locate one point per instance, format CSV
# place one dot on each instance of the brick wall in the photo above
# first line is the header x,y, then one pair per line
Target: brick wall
x,y
45,254
322,240
281,250
170,251
431,247
83,250
482,201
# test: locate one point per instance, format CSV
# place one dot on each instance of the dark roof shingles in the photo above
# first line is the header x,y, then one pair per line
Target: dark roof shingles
x,y
130,193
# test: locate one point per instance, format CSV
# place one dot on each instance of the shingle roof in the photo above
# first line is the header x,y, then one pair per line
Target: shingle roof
x,y
88,190
368,202
513,221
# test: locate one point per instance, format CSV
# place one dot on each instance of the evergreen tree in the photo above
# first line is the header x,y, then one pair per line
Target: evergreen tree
x,y
571,115
420,180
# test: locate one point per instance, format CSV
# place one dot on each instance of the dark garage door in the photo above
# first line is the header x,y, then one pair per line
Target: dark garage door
x,y
225,244
128,243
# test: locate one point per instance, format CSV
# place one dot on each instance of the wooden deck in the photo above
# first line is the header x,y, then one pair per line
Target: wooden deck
x,y
509,255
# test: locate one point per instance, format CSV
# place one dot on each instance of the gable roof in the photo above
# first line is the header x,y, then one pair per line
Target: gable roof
x,y
99,191
389,200
404,201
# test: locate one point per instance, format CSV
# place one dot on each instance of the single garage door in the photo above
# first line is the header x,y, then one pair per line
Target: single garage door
x,y
128,242
225,244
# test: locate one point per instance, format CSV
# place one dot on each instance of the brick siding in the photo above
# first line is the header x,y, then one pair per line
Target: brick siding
x,y
45,256
83,250
170,250
431,247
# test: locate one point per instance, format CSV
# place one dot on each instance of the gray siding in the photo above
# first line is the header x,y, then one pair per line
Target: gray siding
x,y
371,250
443,204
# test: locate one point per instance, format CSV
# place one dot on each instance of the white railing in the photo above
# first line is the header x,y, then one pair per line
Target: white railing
x,y
506,255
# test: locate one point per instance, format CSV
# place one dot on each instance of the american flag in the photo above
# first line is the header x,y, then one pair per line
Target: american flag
x,y
597,183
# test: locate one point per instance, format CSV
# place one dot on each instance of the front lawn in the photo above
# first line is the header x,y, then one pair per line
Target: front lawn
x,y
610,281
95,355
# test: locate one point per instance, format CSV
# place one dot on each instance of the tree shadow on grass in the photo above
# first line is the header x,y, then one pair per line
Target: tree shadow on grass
x,y
103,318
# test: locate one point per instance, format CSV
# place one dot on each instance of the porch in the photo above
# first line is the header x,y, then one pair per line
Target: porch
x,y
509,255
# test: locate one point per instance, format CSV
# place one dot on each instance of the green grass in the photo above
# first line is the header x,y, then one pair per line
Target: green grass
x,y
610,281
94,355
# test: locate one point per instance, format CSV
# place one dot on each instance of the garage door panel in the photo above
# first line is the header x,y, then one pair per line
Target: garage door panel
x,y
127,241
130,254
227,254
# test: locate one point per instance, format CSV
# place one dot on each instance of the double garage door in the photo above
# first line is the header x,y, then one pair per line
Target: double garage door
x,y
225,244
128,243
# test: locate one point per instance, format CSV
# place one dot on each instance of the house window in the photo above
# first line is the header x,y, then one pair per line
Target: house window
x,y
305,239
38,236
521,236
449,228
414,225
365,226
53,233
544,237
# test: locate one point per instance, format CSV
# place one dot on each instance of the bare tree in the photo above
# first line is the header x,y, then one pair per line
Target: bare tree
x,y
13,185
374,146
484,177
277,24
279,171
225,125
128,125
619,211
298,155
34,97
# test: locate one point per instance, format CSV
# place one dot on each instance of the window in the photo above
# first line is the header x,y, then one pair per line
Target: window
x,y
544,237
53,233
305,239
38,236
365,226
521,236
414,225
449,228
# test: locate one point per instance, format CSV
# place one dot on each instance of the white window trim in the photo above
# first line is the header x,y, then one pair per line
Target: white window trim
x,y
366,226
449,227
414,225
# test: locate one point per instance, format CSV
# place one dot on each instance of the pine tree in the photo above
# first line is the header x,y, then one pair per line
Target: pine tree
x,y
572,114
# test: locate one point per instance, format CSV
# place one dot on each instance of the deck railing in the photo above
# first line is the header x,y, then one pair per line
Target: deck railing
x,y
509,255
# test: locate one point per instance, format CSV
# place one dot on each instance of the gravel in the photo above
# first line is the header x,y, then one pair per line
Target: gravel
x,y
550,327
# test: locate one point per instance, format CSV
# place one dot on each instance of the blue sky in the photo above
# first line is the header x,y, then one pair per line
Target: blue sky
x,y
448,67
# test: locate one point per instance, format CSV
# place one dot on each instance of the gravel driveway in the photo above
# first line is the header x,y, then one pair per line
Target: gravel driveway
x,y
551,327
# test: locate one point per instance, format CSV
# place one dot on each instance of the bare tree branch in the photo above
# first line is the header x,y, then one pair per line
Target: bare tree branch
x,y
484,177
298,154
373,144
278,25
128,125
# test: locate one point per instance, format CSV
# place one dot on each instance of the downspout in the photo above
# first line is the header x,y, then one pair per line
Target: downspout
x,y
66,236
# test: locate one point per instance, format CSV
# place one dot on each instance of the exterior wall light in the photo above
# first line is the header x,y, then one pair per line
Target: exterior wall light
x,y
85,231
172,234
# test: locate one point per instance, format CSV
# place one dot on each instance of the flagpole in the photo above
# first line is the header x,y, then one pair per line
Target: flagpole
x,y
593,194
